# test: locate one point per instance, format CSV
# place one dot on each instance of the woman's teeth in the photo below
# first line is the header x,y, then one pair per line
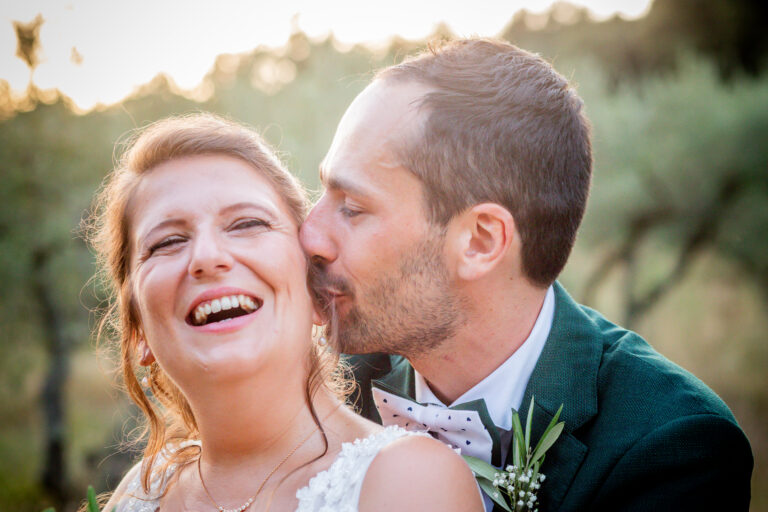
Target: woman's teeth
x,y
241,304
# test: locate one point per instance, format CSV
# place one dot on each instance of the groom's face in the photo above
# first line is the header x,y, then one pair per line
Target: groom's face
x,y
377,263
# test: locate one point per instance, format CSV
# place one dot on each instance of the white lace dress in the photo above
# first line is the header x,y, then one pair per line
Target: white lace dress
x,y
337,489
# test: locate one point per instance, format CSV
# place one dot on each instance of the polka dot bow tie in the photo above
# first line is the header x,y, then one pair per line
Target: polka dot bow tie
x,y
467,427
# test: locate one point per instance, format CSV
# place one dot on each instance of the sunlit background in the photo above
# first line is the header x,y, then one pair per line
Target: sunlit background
x,y
99,52
673,244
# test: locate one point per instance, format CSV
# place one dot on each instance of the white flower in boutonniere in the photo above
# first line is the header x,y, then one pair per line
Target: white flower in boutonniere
x,y
515,488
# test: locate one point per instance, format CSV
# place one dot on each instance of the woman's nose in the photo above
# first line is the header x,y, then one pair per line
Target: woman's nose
x,y
209,256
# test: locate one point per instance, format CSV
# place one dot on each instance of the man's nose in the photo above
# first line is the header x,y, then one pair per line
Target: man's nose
x,y
316,234
209,255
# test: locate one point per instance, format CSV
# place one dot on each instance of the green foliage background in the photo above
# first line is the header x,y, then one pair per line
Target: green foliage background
x,y
673,242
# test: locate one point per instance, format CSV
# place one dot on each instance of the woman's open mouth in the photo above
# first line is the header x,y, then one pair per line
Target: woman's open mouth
x,y
223,309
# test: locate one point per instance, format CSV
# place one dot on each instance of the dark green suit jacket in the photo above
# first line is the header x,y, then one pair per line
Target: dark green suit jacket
x,y
640,432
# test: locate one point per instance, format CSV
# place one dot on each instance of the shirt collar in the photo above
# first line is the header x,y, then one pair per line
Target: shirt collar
x,y
504,388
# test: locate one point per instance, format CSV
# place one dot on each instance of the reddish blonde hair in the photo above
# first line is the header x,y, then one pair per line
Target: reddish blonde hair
x,y
169,418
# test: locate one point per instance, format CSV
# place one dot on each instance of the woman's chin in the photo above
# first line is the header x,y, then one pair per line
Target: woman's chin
x,y
228,364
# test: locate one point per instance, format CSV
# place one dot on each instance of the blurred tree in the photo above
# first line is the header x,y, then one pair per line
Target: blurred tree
x,y
730,33
28,44
683,166
651,56
43,268
41,252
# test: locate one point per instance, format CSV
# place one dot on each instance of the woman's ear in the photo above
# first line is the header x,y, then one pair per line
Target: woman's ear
x,y
485,233
146,357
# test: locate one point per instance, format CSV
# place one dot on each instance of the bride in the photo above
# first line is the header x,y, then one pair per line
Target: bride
x,y
197,231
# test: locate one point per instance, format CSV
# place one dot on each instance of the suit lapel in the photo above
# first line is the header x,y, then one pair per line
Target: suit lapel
x,y
400,380
566,373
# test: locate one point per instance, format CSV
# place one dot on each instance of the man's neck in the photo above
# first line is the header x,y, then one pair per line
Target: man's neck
x,y
495,329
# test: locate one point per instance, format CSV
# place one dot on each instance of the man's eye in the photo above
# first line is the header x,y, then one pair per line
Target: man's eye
x,y
346,211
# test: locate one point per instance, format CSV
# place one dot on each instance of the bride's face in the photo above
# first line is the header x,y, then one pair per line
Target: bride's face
x,y
218,274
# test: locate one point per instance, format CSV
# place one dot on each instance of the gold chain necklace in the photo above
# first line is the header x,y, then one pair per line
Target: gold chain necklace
x,y
248,503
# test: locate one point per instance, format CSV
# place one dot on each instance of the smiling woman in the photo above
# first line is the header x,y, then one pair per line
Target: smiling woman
x,y
197,231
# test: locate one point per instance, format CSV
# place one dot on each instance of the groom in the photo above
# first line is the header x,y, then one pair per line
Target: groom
x,y
454,188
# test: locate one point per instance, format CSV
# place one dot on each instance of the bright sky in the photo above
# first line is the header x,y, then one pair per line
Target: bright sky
x,y
123,44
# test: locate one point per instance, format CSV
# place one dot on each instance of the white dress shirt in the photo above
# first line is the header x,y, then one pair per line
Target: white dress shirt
x,y
504,388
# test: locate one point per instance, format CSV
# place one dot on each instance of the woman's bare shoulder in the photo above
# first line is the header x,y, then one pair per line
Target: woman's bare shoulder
x,y
418,473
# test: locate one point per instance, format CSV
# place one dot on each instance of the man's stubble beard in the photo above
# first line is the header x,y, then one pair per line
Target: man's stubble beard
x,y
409,312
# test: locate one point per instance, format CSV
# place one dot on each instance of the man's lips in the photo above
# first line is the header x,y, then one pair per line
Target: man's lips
x,y
337,302
330,294
333,293
327,290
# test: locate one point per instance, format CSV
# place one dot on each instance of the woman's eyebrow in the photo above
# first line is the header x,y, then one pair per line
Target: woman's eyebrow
x,y
166,223
244,205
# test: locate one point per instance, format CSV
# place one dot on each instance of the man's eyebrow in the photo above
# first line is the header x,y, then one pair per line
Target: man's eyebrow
x,y
341,184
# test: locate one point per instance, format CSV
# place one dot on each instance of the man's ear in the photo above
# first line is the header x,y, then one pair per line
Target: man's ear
x,y
146,357
484,234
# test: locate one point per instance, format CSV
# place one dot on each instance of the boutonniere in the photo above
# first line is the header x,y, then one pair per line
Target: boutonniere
x,y
515,488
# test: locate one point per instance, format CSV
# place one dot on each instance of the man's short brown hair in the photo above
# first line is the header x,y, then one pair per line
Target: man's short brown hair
x,y
502,126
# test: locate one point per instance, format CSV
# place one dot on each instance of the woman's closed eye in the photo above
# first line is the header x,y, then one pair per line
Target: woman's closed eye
x,y
166,243
249,223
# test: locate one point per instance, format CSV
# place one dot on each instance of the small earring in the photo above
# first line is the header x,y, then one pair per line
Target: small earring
x,y
322,341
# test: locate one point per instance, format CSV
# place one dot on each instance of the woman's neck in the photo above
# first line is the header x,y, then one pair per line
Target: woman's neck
x,y
253,434
249,421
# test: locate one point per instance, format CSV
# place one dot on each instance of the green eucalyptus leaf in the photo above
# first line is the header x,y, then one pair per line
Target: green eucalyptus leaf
x,y
528,421
519,440
50,509
480,468
494,493
536,466
547,441
549,428
557,415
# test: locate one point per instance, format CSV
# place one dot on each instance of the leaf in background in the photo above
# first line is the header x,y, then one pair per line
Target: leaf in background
x,y
93,506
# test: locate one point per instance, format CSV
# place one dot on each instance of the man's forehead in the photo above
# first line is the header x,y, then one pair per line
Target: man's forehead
x,y
356,169
373,129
